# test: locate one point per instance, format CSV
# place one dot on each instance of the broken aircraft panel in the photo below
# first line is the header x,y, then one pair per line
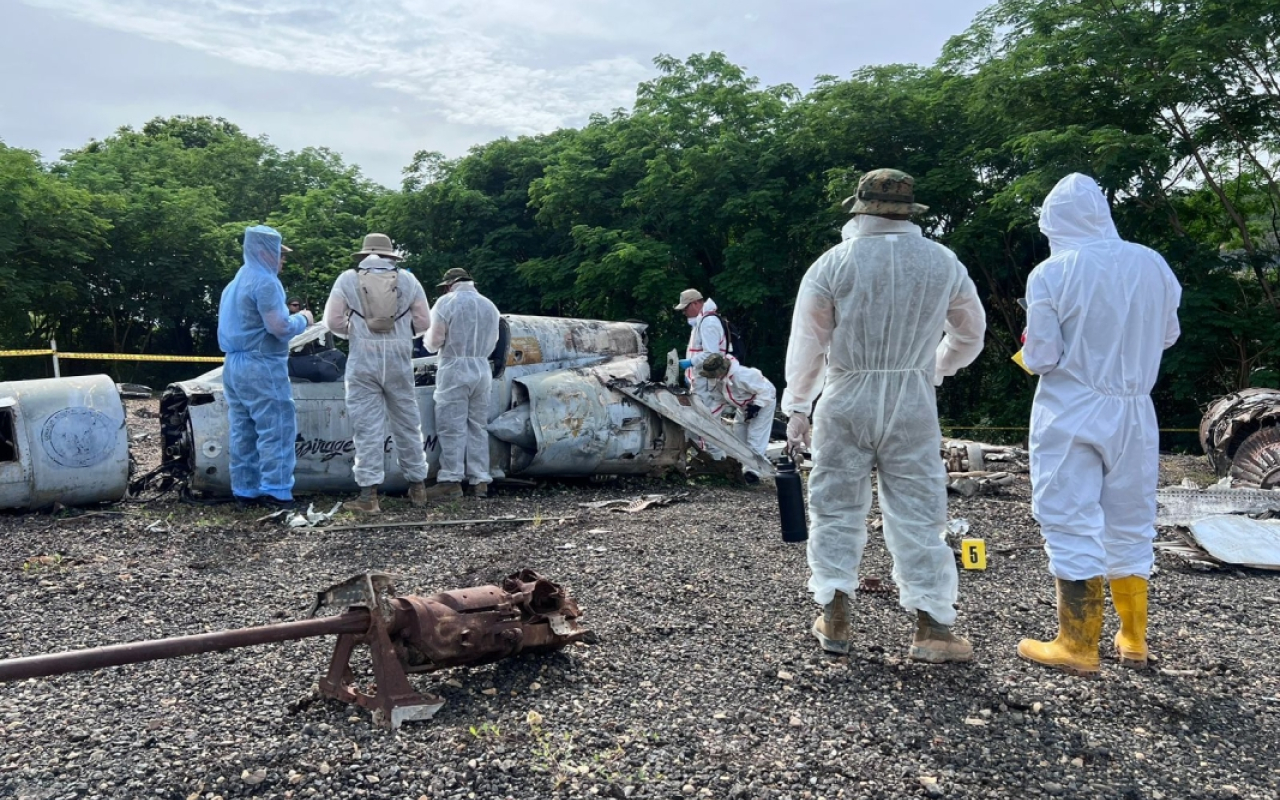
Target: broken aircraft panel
x,y
62,440
552,413
1239,541
1240,433
694,417
1178,506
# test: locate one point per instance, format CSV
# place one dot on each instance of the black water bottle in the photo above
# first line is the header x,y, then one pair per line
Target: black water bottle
x,y
791,502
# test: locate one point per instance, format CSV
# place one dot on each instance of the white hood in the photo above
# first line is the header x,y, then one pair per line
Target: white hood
x,y
1076,213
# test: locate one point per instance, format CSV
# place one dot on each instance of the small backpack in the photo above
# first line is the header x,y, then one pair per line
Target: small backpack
x,y
734,345
380,298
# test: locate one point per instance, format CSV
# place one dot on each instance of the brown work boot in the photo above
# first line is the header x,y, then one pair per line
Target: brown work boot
x,y
934,643
418,494
366,503
480,489
831,629
449,490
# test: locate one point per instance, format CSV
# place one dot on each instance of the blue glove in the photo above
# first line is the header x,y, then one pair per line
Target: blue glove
x,y
685,363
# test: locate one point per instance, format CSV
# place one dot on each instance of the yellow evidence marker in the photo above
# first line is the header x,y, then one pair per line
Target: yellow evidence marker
x,y
973,553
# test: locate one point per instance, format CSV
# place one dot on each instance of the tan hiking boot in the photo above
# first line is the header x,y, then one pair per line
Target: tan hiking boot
x,y
1075,649
831,628
418,494
480,489
934,643
366,503
449,490
1129,596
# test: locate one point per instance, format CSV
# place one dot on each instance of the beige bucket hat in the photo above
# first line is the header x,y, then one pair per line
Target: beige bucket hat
x,y
378,244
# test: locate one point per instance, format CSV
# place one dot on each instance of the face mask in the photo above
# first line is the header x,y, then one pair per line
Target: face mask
x,y
693,321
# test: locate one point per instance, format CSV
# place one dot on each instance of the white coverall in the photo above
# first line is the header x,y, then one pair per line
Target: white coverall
x,y
742,387
379,377
889,314
1100,313
464,332
707,337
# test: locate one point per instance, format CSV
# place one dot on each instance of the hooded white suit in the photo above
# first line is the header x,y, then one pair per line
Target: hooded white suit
x,y
1100,312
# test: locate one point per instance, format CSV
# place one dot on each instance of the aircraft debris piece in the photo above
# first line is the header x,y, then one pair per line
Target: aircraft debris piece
x,y
1240,435
962,455
555,411
312,517
62,440
1179,506
410,634
968,484
637,504
1230,539
690,414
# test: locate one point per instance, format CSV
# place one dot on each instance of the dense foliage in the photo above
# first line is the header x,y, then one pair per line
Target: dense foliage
x,y
714,181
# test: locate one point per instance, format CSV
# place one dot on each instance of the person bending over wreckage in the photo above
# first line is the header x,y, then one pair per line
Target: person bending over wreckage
x,y
873,310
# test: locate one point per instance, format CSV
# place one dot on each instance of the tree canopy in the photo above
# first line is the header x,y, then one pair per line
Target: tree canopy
x,y
714,181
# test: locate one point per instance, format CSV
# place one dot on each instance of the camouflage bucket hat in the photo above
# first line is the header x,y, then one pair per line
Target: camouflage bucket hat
x,y
714,366
885,192
452,276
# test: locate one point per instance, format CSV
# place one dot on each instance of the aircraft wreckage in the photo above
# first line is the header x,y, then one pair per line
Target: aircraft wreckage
x,y
1240,433
570,398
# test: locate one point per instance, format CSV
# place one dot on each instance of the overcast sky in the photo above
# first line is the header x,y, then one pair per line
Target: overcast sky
x,y
378,80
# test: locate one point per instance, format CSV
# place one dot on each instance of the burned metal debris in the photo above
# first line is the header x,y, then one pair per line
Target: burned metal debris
x,y
463,627
1240,435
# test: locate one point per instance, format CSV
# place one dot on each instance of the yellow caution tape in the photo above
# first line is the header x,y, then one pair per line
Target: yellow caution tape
x,y
111,356
132,357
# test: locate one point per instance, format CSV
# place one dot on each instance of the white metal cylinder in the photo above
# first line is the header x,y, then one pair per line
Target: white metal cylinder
x,y
62,440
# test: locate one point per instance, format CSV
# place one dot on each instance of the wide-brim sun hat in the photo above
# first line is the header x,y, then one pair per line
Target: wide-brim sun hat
x,y
885,192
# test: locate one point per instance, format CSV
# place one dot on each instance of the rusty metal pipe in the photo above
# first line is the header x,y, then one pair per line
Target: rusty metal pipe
x,y
355,620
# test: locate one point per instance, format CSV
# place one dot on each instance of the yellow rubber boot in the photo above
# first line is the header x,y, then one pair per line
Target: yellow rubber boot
x,y
1130,598
1075,648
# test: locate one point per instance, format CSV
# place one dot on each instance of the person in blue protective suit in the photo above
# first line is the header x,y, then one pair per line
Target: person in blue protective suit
x,y
254,329
1100,313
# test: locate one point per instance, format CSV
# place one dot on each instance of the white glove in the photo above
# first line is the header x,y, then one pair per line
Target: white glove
x,y
306,314
799,436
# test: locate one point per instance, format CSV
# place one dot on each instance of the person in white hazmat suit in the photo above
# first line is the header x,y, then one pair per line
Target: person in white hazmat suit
x,y
464,333
751,395
706,338
886,315
379,375
1100,313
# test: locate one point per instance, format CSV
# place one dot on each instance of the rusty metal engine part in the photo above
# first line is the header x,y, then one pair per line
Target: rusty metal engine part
x,y
463,627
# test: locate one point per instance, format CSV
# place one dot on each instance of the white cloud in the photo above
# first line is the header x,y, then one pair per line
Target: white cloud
x,y
493,63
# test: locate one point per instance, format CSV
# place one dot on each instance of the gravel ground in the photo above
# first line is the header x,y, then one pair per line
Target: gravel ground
x,y
704,681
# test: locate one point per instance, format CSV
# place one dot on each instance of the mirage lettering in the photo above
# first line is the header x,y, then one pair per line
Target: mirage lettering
x,y
327,449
